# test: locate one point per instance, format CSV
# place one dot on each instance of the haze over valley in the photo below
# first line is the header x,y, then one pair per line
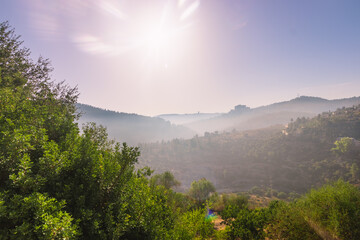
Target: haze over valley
x,y
135,129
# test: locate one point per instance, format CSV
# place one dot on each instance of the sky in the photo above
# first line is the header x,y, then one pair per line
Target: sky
x,y
186,56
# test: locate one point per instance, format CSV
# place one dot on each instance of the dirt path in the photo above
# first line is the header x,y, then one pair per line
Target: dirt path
x,y
217,223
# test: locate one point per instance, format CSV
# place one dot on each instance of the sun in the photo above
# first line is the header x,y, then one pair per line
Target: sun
x,y
158,40
155,33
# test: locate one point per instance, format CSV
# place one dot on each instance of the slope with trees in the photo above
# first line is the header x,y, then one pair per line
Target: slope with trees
x,y
293,158
132,128
243,118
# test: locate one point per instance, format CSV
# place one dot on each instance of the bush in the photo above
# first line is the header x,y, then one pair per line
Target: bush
x,y
334,207
219,203
287,222
193,224
248,224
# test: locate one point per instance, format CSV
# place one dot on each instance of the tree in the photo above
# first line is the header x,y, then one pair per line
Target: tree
x,y
36,116
343,145
165,179
56,183
200,190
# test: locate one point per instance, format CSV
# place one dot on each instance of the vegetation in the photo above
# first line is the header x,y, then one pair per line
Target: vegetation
x,y
278,160
58,183
330,212
200,190
132,128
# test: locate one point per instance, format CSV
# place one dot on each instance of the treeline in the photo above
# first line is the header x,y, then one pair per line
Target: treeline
x,y
131,128
286,159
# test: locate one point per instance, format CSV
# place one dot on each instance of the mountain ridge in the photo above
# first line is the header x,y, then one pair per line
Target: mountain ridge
x,y
135,128
130,127
242,117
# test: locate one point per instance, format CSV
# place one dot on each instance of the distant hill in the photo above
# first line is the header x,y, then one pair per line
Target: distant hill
x,y
132,128
292,158
180,119
244,118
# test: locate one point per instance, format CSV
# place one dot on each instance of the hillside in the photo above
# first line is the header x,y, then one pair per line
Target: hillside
x,y
135,129
290,159
244,118
132,128
180,119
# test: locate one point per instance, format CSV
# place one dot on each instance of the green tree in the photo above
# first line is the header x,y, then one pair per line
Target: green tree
x,y
56,183
200,190
36,116
165,179
343,145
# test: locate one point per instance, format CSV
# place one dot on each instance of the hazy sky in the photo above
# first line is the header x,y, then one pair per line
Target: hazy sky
x,y
184,56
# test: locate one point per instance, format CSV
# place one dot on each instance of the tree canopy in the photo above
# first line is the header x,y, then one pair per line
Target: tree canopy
x,y
56,182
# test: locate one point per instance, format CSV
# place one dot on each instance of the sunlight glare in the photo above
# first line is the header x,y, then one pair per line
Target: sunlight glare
x,y
108,7
181,2
190,10
157,38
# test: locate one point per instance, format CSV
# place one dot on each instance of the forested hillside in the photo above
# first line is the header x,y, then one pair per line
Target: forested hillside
x,y
291,158
132,128
181,119
244,118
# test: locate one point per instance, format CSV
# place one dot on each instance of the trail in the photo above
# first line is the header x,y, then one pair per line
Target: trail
x,y
217,223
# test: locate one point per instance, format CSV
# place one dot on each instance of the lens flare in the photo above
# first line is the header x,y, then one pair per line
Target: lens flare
x,y
210,216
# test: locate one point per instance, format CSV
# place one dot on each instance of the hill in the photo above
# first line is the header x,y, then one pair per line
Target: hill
x,y
244,118
288,159
187,118
132,128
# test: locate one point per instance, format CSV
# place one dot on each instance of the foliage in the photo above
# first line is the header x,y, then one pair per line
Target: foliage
x,y
219,203
334,207
200,190
193,225
330,212
290,158
287,222
35,217
56,183
343,145
247,224
222,234
165,179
